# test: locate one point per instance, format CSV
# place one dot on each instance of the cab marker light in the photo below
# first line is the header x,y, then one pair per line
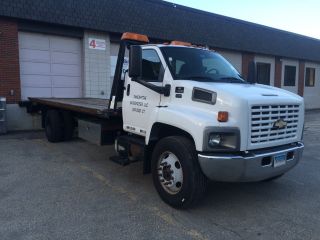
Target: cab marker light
x,y
223,116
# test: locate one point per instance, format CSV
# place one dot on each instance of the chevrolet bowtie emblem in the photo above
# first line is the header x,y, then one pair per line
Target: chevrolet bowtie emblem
x,y
279,124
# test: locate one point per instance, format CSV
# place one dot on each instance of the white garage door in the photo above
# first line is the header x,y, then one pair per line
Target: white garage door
x,y
50,66
234,58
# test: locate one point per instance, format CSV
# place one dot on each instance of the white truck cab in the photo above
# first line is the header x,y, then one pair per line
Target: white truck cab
x,y
189,116
191,100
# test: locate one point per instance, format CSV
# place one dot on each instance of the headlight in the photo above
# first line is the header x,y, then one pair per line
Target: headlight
x,y
227,139
214,140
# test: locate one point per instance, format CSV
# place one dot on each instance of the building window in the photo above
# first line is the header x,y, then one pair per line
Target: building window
x,y
263,73
310,77
290,76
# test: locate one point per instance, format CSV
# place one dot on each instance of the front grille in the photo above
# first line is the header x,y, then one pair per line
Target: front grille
x,y
263,118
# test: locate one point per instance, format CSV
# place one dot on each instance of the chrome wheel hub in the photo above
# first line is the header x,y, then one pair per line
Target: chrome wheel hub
x,y
170,172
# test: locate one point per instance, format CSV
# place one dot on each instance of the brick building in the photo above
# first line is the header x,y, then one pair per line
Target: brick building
x,y
56,48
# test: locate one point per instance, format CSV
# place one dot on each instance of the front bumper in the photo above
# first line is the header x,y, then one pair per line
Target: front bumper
x,y
250,166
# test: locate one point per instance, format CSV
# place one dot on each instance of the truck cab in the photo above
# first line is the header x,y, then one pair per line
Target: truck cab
x,y
203,121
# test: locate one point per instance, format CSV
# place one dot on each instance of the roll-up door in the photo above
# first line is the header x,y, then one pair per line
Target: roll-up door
x,y
50,66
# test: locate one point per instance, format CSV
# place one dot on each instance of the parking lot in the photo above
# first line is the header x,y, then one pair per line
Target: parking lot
x,y
72,191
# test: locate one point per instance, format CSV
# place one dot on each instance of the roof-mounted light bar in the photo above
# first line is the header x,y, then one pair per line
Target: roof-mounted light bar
x,y
180,43
135,37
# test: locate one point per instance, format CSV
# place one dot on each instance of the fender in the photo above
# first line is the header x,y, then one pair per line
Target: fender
x,y
191,121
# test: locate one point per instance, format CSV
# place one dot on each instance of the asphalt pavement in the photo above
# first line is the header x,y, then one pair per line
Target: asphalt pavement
x,y
73,191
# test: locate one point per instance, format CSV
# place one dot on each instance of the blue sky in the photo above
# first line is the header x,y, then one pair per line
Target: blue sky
x,y
299,16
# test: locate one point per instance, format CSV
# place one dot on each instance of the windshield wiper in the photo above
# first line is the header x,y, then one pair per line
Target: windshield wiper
x,y
199,78
233,79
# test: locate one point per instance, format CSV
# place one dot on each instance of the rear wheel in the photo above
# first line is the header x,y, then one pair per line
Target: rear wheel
x,y
68,126
54,126
176,172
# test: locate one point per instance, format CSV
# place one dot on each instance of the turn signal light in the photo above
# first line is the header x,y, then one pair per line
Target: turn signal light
x,y
223,116
135,37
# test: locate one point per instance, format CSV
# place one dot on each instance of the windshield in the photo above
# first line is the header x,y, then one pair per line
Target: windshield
x,y
199,65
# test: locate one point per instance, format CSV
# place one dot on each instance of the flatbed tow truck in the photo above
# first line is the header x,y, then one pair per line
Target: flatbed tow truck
x,y
188,115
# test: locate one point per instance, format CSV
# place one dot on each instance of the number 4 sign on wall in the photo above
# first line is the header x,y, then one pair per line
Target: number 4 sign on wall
x,y
98,44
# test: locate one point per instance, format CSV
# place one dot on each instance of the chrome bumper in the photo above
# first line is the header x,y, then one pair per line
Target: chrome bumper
x,y
251,166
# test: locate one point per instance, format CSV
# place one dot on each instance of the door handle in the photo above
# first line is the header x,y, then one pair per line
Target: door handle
x,y
128,90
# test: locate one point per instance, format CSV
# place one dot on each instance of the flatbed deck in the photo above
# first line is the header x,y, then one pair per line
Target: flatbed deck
x,y
91,106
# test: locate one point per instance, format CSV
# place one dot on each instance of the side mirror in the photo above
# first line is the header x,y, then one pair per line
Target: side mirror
x,y
135,62
252,72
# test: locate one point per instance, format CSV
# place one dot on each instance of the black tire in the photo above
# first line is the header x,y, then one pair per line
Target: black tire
x,y
54,126
194,182
273,178
68,126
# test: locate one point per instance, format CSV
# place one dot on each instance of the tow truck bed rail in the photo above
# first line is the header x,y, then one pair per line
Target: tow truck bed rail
x,y
91,106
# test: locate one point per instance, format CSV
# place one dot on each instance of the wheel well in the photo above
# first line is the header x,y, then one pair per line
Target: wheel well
x,y
161,130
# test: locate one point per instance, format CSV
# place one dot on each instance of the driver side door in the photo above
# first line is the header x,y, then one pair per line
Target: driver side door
x,y
140,104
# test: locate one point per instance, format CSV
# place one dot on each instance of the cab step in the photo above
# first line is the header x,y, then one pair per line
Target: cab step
x,y
130,149
120,160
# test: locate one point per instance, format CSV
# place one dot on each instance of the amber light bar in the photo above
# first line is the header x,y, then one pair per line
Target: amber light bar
x,y
179,43
135,37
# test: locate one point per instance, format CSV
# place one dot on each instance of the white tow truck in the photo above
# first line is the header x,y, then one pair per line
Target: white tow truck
x,y
189,116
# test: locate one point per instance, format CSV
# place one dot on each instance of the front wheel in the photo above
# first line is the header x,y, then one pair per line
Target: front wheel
x,y
177,175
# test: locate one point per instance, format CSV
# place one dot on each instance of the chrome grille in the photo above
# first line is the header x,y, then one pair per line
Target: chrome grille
x,y
263,118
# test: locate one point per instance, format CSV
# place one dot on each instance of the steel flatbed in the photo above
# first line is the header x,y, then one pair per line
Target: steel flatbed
x,y
91,106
